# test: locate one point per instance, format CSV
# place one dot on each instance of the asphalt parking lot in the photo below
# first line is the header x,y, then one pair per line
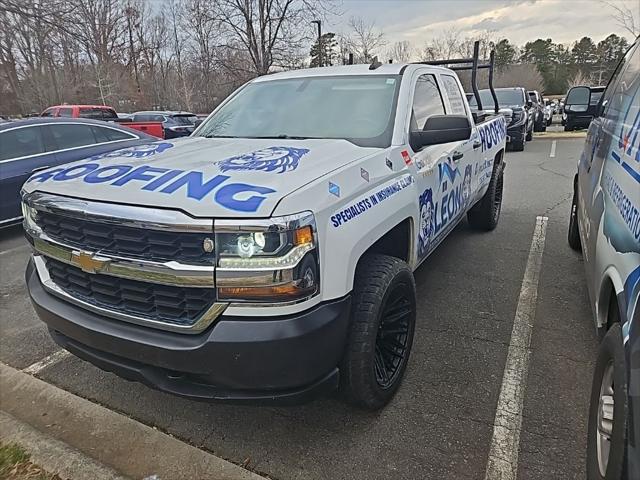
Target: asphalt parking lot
x,y
441,422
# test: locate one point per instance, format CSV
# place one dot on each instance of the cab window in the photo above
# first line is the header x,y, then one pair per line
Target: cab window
x,y
455,95
427,101
21,142
49,112
65,112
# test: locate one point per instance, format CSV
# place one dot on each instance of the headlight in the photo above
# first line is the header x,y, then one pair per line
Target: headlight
x,y
270,261
29,218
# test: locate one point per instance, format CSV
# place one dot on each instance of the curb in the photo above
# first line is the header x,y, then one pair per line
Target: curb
x,y
53,455
559,135
111,441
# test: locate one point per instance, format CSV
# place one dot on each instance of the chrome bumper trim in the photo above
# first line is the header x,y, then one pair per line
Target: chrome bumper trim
x,y
198,326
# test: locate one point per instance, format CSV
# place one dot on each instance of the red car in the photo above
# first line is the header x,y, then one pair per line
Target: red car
x,y
103,112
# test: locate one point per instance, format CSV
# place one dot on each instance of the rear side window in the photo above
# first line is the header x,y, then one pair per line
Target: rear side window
x,y
98,113
21,142
65,112
110,135
427,101
454,94
145,117
70,136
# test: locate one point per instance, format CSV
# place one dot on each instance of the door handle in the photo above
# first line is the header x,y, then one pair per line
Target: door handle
x,y
477,144
456,156
38,169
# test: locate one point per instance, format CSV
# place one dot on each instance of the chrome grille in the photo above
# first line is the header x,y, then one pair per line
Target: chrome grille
x,y
126,241
168,304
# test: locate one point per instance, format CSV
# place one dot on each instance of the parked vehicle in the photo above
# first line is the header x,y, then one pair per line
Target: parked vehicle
x,y
576,113
27,146
548,112
520,126
537,110
103,112
605,225
175,124
275,246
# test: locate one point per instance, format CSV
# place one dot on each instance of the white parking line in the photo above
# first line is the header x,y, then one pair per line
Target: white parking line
x,y
15,249
55,357
553,149
503,453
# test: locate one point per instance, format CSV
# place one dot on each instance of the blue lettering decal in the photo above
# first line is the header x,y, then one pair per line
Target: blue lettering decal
x,y
82,170
140,173
225,196
44,176
161,180
271,159
117,171
195,186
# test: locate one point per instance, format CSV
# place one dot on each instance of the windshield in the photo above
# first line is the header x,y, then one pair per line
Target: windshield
x,y
184,119
354,108
506,98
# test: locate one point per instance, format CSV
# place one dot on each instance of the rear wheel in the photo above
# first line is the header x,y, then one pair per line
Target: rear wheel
x,y
381,334
606,440
530,134
486,213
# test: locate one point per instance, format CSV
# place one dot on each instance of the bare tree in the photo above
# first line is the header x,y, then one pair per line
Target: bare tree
x,y
364,39
579,79
270,31
401,52
626,17
524,75
446,45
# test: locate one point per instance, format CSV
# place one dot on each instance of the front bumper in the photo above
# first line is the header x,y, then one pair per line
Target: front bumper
x,y
282,360
517,133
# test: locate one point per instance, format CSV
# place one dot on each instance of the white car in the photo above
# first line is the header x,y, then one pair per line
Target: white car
x,y
270,256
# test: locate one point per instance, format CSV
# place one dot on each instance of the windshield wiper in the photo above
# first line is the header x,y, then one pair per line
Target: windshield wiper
x,y
283,136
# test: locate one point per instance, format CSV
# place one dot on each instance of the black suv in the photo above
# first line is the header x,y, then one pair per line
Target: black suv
x,y
520,125
537,110
175,124
576,113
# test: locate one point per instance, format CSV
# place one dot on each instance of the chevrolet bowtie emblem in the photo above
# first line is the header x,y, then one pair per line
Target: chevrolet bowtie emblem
x,y
88,262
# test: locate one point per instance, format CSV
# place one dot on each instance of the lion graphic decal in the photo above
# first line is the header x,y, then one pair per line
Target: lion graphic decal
x,y
271,159
139,151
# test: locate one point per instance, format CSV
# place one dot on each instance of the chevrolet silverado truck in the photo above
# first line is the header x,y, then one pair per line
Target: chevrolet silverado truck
x,y
268,257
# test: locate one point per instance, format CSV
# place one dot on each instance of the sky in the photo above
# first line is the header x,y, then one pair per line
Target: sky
x,y
520,21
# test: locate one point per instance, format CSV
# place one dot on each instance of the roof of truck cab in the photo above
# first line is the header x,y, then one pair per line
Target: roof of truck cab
x,y
363,69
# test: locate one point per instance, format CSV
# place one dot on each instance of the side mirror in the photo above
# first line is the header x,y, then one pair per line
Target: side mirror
x,y
578,99
529,104
441,129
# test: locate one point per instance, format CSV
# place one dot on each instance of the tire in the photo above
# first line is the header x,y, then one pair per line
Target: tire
x,y
485,214
573,236
568,128
517,146
530,135
379,344
610,367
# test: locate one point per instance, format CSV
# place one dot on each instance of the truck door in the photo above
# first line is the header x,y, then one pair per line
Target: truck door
x,y
469,152
440,170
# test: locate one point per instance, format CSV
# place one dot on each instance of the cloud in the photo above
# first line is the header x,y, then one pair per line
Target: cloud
x,y
520,21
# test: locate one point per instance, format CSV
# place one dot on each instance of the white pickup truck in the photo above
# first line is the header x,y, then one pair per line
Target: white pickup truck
x,y
269,257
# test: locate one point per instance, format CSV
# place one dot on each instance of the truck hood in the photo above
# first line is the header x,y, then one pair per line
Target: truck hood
x,y
204,177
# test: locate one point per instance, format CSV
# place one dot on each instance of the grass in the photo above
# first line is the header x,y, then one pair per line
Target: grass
x,y
15,465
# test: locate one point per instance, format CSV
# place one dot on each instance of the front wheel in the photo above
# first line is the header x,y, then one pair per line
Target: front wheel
x,y
383,315
485,214
606,440
573,235
530,135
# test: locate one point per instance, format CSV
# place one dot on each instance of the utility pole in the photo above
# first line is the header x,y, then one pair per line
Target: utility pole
x,y
319,23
